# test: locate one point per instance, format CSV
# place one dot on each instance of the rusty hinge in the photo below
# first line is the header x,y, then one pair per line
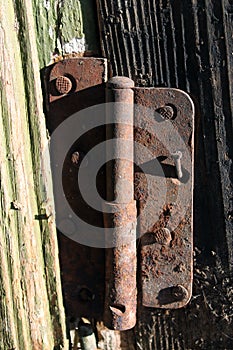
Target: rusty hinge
x,y
132,154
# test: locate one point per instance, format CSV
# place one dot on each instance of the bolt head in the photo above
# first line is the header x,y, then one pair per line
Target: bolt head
x,y
179,292
163,236
63,85
167,112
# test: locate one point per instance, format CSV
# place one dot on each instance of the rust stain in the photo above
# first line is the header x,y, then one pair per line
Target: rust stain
x,y
166,247
83,285
121,291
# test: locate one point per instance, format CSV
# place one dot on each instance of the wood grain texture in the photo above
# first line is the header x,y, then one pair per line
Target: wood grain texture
x,y
187,45
32,315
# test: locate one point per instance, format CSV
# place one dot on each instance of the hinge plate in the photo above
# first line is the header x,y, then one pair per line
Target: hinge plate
x,y
164,120
82,267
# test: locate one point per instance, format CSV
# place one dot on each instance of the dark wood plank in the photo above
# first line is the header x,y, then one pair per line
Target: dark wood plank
x,y
188,45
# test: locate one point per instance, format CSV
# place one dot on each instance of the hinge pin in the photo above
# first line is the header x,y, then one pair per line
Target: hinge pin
x,y
121,293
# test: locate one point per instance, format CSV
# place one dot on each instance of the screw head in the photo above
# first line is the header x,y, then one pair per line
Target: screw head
x,y
162,236
179,292
167,112
63,85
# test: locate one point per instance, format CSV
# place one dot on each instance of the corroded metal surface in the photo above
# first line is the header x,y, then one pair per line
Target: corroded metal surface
x,y
166,245
121,295
83,285
120,269
71,85
63,85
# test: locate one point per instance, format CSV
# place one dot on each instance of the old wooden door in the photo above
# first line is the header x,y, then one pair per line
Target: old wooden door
x,y
187,45
174,43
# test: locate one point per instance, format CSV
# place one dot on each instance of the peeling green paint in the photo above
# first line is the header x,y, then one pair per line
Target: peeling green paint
x,y
32,314
71,23
32,33
46,29
59,22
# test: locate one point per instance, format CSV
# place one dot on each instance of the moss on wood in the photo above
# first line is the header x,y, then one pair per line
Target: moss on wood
x,y
60,22
32,315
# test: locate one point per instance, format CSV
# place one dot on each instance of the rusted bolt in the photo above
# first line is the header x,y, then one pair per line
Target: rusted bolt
x,y
167,112
177,159
179,292
163,236
63,85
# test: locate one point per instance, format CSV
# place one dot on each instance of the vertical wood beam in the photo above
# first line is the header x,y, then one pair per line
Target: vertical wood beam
x,y
32,315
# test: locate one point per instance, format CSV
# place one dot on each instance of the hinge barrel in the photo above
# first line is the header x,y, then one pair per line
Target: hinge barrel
x,y
120,298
